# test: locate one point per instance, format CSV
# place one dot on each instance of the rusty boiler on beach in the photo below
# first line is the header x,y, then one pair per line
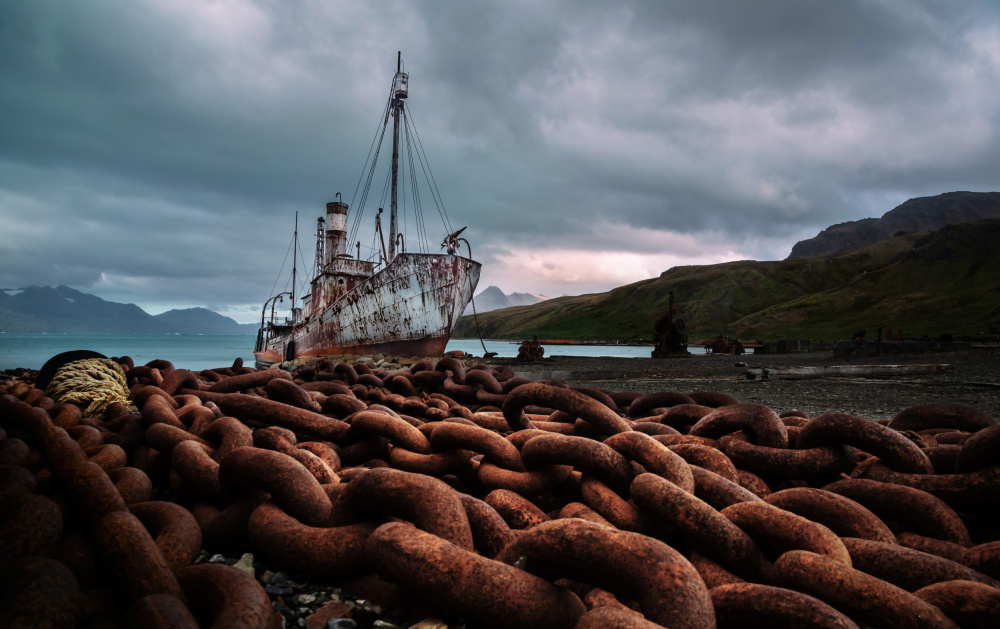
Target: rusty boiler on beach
x,y
399,303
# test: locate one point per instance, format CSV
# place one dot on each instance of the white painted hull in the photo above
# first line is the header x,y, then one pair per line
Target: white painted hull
x,y
408,309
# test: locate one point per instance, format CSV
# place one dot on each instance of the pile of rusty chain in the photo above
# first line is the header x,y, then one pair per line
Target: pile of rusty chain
x,y
505,502
530,350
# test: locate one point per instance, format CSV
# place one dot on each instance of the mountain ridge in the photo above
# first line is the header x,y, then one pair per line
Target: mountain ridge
x,y
492,298
63,309
203,320
914,215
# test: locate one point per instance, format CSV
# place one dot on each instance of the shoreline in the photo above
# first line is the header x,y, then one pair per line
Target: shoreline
x,y
974,379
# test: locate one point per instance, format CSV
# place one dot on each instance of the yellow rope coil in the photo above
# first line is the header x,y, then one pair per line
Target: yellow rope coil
x,y
93,384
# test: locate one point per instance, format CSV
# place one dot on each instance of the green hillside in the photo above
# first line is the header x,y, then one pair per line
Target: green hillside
x,y
935,282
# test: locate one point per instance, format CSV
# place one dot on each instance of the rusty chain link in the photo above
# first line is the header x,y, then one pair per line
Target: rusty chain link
x,y
510,503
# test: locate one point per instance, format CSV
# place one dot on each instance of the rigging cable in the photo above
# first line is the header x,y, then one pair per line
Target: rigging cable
x,y
282,267
364,195
412,138
472,300
429,175
383,122
386,187
424,244
303,282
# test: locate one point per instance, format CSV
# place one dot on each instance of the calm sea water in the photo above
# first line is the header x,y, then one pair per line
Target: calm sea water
x,y
197,352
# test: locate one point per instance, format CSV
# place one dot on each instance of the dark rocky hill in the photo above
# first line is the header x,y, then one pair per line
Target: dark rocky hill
x,y
916,215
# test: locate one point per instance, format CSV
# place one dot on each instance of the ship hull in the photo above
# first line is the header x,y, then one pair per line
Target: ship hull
x,y
407,309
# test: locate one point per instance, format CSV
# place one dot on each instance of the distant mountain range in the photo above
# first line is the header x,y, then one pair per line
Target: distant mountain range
x,y
916,215
63,309
494,299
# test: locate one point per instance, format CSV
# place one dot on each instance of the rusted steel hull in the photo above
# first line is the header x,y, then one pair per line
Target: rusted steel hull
x,y
408,309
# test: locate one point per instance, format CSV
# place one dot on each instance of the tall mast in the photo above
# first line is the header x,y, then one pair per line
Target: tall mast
x,y
295,249
399,93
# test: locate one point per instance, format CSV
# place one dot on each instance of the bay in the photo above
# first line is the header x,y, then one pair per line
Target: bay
x,y
207,351
508,349
186,351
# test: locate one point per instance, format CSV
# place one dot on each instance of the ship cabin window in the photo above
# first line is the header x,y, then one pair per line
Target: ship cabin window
x,y
340,280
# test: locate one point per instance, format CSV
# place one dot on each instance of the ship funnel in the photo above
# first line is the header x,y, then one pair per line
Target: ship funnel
x,y
336,230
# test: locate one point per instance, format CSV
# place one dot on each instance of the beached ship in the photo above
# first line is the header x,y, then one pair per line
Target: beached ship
x,y
398,302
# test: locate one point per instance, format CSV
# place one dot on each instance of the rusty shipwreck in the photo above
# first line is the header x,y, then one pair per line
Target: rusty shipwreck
x,y
395,302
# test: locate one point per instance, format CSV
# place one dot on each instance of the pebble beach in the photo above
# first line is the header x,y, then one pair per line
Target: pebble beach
x,y
974,380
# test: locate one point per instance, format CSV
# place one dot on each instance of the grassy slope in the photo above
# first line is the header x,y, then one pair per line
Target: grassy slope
x,y
929,283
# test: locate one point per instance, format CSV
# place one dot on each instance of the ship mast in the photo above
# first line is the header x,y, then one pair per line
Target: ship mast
x,y
399,93
295,249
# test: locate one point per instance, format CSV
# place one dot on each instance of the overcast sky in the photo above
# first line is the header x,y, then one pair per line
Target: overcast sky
x,y
156,151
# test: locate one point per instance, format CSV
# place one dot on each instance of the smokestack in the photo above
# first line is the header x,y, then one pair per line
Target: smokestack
x,y
336,230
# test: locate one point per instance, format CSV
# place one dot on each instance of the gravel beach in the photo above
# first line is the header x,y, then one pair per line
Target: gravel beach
x,y
973,379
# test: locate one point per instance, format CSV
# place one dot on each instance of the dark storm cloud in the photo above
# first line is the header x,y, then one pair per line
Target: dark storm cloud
x,y
156,151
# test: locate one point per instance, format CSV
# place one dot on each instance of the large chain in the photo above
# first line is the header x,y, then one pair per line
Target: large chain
x,y
507,502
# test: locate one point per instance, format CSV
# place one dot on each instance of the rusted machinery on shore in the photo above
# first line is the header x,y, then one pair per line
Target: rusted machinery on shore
x,y
503,502
671,332
530,350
